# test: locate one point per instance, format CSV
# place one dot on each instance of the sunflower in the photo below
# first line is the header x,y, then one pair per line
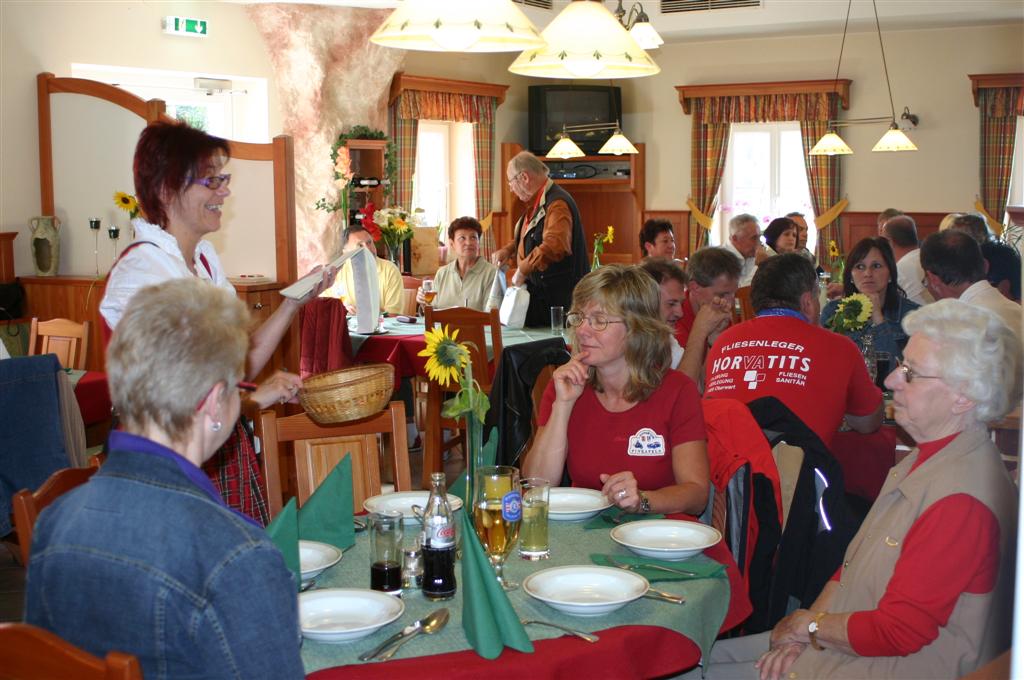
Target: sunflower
x,y
446,358
610,236
127,203
852,313
865,308
833,250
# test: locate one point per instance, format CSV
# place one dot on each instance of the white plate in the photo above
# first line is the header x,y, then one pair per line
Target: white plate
x,y
314,557
569,503
344,614
402,501
666,539
585,590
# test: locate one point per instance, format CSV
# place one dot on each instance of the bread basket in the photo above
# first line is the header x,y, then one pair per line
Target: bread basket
x,y
347,394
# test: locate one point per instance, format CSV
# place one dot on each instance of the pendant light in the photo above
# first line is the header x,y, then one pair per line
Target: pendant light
x,y
831,144
565,148
585,41
458,26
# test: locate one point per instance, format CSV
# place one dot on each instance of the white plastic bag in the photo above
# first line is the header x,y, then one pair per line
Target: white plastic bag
x,y
513,307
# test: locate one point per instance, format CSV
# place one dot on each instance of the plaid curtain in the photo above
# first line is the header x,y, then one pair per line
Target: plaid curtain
x,y
403,133
998,108
483,152
760,108
709,142
823,177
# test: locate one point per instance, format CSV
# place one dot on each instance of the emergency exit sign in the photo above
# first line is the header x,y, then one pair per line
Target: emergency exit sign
x,y
195,28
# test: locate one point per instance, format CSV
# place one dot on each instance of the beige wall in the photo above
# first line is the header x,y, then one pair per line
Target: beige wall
x,y
928,69
49,36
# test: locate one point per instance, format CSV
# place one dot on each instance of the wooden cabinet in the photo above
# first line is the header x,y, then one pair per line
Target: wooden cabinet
x,y
367,161
604,197
78,298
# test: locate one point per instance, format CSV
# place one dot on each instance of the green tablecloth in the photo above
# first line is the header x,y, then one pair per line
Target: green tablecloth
x,y
699,619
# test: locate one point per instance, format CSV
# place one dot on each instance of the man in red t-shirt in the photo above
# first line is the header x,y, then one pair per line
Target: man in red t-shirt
x,y
783,353
714,273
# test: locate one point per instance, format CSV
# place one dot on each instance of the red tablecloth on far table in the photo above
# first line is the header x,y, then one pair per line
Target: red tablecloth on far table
x,y
93,397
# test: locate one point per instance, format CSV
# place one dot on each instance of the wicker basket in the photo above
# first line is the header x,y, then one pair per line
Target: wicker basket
x,y
348,394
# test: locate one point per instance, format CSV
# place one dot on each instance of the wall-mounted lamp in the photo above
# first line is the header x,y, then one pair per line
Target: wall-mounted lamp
x,y
639,26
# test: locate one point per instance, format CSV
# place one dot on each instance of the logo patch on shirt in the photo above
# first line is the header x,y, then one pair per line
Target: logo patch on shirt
x,y
646,442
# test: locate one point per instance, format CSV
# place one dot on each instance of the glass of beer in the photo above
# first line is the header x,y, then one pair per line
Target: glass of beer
x,y
533,531
497,513
428,291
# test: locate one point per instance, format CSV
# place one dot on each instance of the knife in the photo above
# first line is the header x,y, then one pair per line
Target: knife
x,y
405,632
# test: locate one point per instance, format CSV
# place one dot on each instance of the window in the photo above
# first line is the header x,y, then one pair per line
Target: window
x,y
1017,173
764,176
444,181
233,107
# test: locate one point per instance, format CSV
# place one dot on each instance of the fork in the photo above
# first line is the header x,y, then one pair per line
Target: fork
x,y
578,633
631,567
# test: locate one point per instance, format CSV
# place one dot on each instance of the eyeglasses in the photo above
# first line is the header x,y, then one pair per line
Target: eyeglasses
x,y
598,323
910,374
215,182
514,178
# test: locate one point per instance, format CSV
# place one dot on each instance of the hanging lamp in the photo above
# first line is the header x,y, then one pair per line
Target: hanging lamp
x,y
458,26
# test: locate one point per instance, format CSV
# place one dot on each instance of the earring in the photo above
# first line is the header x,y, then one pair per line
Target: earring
x,y
216,426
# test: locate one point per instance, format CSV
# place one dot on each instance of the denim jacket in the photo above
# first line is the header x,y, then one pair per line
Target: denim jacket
x,y
888,336
142,560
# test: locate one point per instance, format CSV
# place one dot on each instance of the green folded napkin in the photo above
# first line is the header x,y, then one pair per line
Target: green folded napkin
x,y
488,619
703,567
284,532
326,516
599,521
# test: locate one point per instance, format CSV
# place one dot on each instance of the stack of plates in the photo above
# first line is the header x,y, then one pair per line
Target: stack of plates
x,y
345,614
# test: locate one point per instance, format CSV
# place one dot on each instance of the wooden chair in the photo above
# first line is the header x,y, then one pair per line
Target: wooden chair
x,y
27,504
410,284
318,448
65,338
31,653
746,310
471,326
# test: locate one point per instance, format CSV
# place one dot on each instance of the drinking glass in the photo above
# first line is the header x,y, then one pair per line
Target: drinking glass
x,y
533,530
557,320
428,291
497,513
386,551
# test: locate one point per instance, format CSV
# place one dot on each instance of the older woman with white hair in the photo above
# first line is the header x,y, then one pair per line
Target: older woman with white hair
x,y
925,588
146,558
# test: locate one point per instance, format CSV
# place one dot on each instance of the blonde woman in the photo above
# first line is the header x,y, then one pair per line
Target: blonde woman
x,y
616,416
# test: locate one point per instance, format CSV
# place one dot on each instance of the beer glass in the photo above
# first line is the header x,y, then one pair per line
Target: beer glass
x,y
428,291
533,530
497,512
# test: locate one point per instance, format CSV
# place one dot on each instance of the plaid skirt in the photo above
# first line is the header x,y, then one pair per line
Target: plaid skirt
x,y
235,473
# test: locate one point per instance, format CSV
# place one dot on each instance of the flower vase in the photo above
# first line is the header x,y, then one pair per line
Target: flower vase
x,y
395,254
596,262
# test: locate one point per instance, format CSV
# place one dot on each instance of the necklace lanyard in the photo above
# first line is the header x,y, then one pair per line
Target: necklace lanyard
x,y
781,311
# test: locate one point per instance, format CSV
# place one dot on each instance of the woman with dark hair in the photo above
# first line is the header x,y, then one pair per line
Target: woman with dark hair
x,y
616,417
181,187
782,235
467,279
871,270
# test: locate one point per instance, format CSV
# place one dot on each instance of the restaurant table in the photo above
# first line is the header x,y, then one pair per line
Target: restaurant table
x,y
645,638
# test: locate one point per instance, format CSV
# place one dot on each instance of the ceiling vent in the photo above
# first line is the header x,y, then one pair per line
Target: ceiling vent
x,y
680,6
542,4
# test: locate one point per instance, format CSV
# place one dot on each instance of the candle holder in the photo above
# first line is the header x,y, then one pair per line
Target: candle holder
x,y
114,232
94,223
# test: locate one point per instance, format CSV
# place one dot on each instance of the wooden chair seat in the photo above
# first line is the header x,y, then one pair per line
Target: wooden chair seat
x,y
32,653
65,338
27,504
318,448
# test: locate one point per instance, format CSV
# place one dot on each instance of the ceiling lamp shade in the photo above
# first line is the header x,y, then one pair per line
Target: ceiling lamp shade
x,y
645,35
585,41
894,140
565,148
617,145
831,144
458,26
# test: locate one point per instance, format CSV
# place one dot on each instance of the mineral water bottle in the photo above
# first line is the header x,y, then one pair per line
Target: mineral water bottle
x,y
438,543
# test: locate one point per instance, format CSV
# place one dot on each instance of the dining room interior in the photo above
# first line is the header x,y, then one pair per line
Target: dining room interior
x,y
338,116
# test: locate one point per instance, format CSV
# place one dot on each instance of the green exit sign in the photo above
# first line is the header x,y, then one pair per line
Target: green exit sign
x,y
196,28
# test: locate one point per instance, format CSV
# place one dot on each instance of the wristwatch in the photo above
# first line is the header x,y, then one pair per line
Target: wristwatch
x,y
645,503
812,630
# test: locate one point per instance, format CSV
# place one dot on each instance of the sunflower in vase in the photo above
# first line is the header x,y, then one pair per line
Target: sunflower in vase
x,y
599,240
852,314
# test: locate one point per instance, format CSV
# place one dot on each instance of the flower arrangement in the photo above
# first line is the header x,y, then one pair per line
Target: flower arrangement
x,y
448,361
852,314
837,261
342,179
127,203
599,240
396,224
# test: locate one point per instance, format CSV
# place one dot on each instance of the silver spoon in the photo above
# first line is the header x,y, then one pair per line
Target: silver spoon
x,y
578,633
655,594
433,623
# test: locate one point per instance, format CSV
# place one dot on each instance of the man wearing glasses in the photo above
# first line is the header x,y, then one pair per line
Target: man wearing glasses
x,y
549,249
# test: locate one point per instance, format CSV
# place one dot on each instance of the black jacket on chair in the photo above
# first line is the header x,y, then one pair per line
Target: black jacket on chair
x,y
816,535
511,394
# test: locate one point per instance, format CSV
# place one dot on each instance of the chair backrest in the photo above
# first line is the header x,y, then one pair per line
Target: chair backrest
x,y
746,309
470,324
27,504
410,285
31,653
65,338
318,448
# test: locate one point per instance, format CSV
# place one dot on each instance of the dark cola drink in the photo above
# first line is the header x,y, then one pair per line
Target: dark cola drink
x,y
438,543
386,577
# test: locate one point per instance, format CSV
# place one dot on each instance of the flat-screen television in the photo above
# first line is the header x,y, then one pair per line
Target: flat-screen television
x,y
553,106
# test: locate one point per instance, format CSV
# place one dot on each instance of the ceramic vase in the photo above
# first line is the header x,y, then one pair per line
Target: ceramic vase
x,y
45,244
